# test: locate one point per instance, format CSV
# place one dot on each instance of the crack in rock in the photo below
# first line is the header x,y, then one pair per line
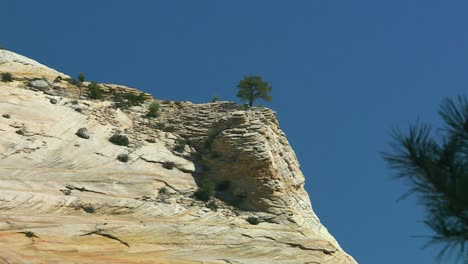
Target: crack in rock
x,y
298,245
100,232
83,189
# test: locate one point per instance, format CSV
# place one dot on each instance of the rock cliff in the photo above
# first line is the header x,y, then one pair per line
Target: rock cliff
x,y
74,197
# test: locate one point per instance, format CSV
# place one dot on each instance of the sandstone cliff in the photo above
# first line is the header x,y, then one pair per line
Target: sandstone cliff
x,y
69,199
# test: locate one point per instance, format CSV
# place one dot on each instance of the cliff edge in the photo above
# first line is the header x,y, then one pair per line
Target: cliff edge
x,y
69,195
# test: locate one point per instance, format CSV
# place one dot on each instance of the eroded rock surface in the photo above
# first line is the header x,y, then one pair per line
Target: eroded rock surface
x,y
67,199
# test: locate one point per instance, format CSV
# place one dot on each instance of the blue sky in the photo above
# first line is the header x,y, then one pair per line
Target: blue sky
x,y
343,74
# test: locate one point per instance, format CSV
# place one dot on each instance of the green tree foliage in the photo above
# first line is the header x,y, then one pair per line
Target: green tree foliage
x,y
79,82
153,110
95,91
252,88
436,169
118,139
205,191
126,100
73,81
81,77
134,99
6,77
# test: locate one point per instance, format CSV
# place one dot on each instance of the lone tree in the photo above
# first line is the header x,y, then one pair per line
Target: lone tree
x,y
81,77
436,169
252,88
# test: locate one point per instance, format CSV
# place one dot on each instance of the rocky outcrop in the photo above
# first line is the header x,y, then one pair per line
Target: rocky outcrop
x,y
245,149
66,198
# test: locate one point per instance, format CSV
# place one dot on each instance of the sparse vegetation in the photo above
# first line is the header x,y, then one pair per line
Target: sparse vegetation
x,y
253,220
163,191
95,91
168,165
123,157
163,127
89,208
6,77
215,99
212,206
81,77
160,126
153,110
169,129
79,83
73,81
126,100
223,186
205,191
118,139
180,145
133,99
208,143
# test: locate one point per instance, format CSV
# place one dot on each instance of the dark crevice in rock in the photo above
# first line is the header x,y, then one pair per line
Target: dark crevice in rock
x,y
83,189
101,233
298,245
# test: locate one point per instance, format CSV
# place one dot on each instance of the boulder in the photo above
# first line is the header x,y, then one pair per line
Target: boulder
x,y
39,84
82,133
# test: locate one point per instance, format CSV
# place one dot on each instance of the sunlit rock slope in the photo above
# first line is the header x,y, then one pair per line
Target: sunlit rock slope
x,y
67,197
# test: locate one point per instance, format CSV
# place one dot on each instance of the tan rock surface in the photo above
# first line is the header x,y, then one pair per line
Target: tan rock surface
x,y
65,199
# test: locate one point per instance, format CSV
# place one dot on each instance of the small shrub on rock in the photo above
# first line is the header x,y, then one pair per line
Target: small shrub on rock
x,y
153,110
123,157
169,129
180,145
88,209
81,77
163,191
126,100
6,77
205,191
120,140
73,81
253,220
95,91
160,126
168,165
133,99
212,206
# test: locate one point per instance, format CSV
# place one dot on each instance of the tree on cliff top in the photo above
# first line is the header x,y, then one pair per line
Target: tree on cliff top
x,y
252,88
436,169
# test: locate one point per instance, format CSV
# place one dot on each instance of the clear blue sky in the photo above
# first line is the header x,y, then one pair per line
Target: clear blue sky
x,y
343,73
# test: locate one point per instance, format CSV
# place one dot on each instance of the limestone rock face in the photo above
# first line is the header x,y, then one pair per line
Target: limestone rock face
x,y
25,67
68,199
